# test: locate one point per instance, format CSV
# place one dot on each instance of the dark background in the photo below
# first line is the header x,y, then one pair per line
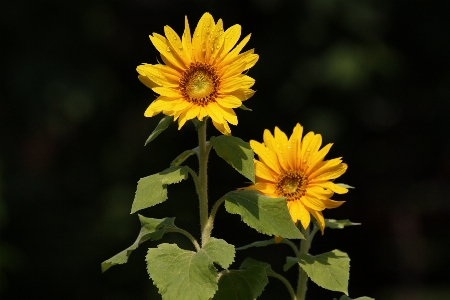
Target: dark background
x,y
371,76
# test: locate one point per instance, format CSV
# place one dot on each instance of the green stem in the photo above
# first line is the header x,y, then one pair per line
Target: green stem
x,y
195,178
187,234
286,283
203,152
209,225
292,245
302,276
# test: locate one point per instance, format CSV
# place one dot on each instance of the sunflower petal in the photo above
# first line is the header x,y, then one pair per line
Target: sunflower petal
x,y
176,46
318,157
265,188
219,38
331,173
331,186
200,40
242,94
186,39
321,167
299,212
319,218
157,106
231,35
312,202
281,141
236,82
269,141
263,172
332,203
266,156
229,115
222,127
187,115
163,47
229,101
168,92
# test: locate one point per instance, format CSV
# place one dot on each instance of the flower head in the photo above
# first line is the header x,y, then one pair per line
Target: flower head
x,y
201,75
295,168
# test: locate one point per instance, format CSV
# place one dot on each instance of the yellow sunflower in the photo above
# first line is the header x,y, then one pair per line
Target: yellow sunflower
x,y
201,75
296,169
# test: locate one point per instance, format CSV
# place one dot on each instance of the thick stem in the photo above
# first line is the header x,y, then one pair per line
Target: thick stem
x,y
203,181
302,276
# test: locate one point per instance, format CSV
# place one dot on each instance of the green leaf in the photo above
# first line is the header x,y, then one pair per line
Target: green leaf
x,y
181,274
343,297
250,262
243,107
329,270
220,252
237,153
182,157
242,284
339,224
152,190
258,244
290,261
151,229
265,214
162,125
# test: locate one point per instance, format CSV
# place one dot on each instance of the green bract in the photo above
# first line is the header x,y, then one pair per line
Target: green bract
x,y
162,125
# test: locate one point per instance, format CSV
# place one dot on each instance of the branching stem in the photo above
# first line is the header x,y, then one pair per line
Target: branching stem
x,y
286,283
209,225
187,234
292,245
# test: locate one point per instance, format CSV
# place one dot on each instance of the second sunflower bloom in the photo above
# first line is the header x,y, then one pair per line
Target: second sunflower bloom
x,y
295,168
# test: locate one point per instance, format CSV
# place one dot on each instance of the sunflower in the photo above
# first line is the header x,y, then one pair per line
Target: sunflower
x,y
295,168
201,75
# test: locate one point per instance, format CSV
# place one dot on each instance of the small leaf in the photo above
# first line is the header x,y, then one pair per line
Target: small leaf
x,y
182,157
329,270
220,252
339,224
151,229
258,244
181,274
237,153
265,214
242,284
152,190
345,185
290,261
243,107
250,262
162,125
